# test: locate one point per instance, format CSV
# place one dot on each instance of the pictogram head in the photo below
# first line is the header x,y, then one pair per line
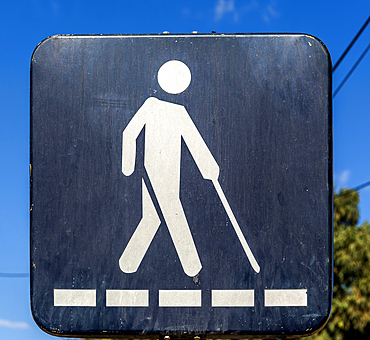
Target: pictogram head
x,y
174,76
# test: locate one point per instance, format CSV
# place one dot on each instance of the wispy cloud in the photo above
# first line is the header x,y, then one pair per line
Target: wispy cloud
x,y
270,11
267,9
13,324
186,11
343,177
55,8
223,7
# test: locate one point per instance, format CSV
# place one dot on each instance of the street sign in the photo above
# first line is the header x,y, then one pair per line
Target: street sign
x,y
181,185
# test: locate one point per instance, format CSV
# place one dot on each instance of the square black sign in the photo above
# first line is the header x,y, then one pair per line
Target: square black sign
x,y
181,185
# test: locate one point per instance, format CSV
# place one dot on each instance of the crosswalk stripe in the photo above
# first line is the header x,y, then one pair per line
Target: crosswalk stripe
x,y
285,297
233,298
75,297
180,298
127,298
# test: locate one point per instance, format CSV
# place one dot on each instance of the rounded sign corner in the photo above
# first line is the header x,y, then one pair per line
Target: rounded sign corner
x,y
322,45
42,44
42,323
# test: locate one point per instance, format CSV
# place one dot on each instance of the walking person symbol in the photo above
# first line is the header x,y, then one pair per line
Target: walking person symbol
x,y
165,124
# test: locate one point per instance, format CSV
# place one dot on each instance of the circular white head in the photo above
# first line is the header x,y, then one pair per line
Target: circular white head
x,y
174,76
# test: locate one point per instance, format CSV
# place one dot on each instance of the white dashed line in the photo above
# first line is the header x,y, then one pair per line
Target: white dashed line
x,y
75,297
233,298
285,297
180,298
127,298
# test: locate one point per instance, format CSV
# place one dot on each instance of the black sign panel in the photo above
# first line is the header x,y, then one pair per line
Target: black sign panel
x,y
181,185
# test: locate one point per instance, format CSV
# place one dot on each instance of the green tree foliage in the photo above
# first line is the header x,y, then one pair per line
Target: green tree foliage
x,y
350,316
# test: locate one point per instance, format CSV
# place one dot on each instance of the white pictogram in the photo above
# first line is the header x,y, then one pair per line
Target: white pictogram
x,y
165,124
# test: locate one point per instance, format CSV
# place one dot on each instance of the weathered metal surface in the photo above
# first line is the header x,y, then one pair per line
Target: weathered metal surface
x,y
262,105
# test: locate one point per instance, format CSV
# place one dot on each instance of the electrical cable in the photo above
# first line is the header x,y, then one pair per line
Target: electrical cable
x,y
350,191
366,184
351,44
351,70
14,275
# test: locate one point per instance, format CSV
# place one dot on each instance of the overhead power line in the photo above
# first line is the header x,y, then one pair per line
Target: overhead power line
x,y
14,275
351,70
361,186
351,44
350,191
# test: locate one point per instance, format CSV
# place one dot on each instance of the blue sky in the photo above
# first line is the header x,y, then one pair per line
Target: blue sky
x,y
25,23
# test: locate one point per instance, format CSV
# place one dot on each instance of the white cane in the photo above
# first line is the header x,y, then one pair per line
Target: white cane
x,y
237,229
